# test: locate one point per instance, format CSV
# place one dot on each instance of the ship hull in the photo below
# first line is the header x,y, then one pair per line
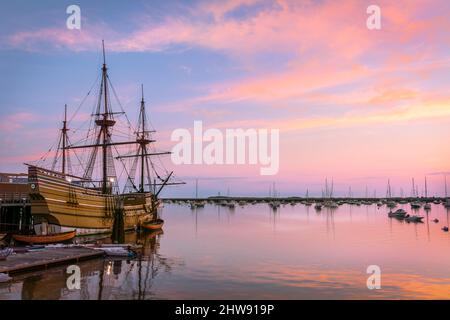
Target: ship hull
x,y
58,205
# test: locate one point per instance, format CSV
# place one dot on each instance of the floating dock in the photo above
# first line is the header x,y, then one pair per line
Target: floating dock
x,y
46,258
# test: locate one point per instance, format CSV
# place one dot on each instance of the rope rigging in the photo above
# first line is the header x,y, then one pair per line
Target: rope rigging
x,y
97,133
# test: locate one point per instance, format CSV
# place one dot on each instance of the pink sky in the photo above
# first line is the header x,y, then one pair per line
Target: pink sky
x,y
351,103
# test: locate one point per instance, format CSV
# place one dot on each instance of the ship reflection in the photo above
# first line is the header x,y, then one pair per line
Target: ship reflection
x,y
150,263
100,279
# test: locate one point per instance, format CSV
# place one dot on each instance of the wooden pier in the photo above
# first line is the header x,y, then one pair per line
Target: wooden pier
x,y
46,258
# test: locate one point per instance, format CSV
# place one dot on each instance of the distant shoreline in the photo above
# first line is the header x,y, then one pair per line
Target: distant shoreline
x,y
295,198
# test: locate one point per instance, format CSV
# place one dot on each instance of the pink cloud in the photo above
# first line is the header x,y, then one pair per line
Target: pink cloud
x,y
87,39
16,121
282,26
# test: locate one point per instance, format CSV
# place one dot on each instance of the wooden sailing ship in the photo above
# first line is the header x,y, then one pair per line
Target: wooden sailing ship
x,y
62,201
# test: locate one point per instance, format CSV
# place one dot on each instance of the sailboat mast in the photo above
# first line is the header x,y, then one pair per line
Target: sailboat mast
x,y
445,185
389,194
64,139
196,188
332,187
426,189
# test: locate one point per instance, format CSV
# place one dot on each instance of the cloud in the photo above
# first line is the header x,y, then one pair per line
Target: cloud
x,y
328,44
13,122
425,111
277,26
88,38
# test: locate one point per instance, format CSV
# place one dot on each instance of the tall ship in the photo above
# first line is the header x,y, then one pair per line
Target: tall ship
x,y
84,198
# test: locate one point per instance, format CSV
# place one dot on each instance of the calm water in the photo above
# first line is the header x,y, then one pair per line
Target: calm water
x,y
255,253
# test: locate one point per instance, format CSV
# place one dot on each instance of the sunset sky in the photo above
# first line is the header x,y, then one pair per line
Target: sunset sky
x,y
355,105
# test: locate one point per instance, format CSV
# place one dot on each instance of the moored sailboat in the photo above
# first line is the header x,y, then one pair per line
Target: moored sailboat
x,y
427,205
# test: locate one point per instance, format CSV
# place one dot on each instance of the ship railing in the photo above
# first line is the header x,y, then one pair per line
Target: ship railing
x,y
14,197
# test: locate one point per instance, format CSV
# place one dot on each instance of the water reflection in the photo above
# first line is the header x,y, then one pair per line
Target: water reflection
x,y
292,252
101,279
150,263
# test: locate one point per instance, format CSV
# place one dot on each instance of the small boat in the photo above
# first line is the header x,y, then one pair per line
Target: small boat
x,y
396,215
44,239
318,206
435,220
200,204
4,253
391,204
415,205
445,229
274,204
427,206
153,224
447,203
117,251
399,214
413,219
331,204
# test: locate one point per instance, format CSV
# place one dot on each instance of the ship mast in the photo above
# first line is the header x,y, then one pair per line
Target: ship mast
x,y
104,120
64,140
105,124
62,144
143,143
143,154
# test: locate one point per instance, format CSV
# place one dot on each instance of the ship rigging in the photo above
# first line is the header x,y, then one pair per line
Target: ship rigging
x,y
84,198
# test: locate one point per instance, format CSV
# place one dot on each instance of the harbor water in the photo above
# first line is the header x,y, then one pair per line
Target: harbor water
x,y
254,252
